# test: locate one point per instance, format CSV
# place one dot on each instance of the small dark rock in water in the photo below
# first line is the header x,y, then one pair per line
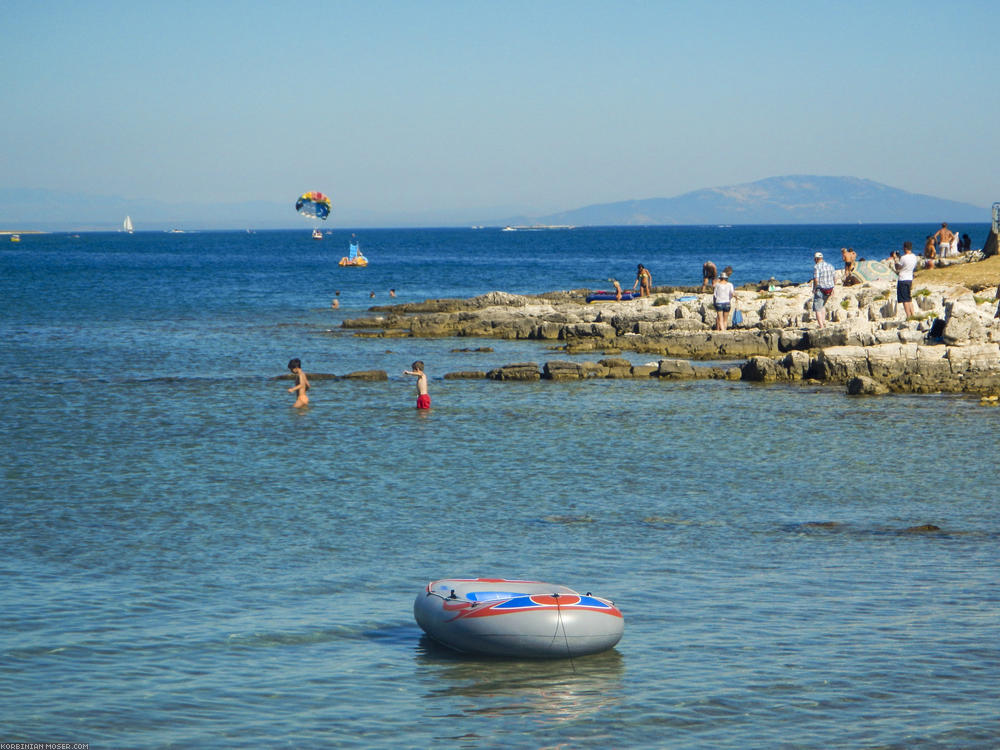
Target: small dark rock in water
x,y
820,524
921,529
865,386
518,371
367,375
477,349
465,375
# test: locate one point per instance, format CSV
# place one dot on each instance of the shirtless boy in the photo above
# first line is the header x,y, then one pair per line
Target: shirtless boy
x,y
301,383
423,398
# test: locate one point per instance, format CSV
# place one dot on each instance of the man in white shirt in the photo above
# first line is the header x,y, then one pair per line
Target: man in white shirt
x,y
822,284
905,266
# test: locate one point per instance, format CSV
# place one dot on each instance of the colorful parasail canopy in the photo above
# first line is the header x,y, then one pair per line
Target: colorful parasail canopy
x,y
313,205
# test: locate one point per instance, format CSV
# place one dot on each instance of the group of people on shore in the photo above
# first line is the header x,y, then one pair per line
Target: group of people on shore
x,y
643,283
941,244
824,277
944,243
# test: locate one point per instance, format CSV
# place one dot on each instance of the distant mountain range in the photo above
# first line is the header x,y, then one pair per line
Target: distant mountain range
x,y
794,199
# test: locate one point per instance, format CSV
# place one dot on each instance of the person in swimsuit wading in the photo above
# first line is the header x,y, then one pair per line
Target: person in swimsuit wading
x,y
423,398
301,383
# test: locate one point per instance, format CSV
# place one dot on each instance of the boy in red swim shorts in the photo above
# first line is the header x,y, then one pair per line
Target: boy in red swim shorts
x,y
423,398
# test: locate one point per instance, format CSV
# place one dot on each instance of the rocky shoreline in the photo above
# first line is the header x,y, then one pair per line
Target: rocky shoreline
x,y
952,344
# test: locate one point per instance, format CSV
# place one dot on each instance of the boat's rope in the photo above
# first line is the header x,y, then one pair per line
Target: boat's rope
x,y
560,623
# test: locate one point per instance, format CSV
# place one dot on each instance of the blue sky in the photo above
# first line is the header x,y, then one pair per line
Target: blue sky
x,y
465,109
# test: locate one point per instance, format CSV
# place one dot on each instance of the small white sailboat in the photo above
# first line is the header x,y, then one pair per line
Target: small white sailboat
x,y
127,225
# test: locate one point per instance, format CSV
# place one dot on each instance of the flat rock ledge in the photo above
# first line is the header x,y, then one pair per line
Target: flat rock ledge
x,y
669,369
873,370
679,323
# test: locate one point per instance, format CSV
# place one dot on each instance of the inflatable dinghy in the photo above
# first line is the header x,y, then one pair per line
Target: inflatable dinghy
x,y
500,617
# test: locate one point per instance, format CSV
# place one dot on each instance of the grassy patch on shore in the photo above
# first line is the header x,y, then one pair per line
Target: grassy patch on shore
x,y
975,276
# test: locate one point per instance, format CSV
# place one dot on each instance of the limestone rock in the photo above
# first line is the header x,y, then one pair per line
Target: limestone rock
x,y
763,370
499,299
517,371
372,375
675,369
796,364
865,386
962,324
822,338
562,370
839,363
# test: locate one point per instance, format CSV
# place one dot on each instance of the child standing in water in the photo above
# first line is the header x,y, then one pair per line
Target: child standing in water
x,y
301,383
423,398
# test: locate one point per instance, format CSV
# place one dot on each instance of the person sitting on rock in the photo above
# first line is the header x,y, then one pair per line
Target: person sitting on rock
x,y
930,253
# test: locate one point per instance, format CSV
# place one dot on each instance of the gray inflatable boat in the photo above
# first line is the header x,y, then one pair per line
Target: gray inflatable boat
x,y
501,617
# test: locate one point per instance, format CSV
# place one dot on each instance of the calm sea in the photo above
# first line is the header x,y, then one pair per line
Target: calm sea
x,y
190,562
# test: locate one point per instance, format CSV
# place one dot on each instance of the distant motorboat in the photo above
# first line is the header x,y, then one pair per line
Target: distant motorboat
x,y
127,225
535,227
15,238
317,234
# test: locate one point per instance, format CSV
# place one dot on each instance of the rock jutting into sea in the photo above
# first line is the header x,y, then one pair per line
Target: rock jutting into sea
x,y
951,343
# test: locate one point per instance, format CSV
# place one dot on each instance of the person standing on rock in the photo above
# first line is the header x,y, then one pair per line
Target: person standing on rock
x,y
822,283
944,237
644,281
708,272
905,265
722,298
930,253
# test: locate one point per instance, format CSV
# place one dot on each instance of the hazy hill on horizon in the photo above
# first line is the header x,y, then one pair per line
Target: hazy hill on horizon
x,y
792,199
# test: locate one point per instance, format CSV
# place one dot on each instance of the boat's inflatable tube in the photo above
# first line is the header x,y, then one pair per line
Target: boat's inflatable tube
x,y
600,295
501,617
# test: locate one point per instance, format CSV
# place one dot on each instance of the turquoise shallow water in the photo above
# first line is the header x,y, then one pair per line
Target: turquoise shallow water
x,y
190,561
